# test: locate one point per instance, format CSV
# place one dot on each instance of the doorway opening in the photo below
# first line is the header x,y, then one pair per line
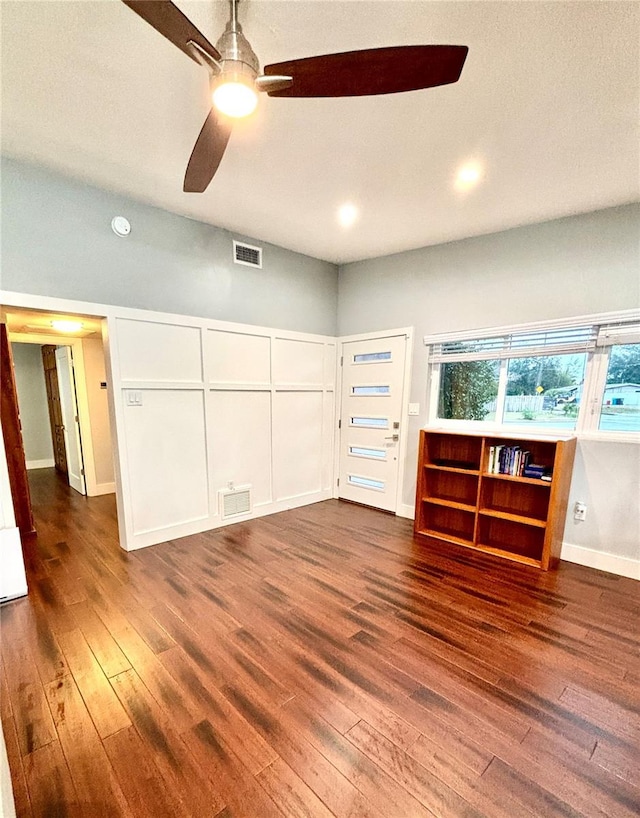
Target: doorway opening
x,y
57,363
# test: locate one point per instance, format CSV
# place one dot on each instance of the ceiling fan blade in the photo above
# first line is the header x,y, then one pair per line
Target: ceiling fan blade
x,y
169,21
207,153
372,71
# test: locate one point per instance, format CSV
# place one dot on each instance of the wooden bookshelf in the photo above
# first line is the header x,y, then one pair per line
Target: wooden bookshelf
x,y
519,518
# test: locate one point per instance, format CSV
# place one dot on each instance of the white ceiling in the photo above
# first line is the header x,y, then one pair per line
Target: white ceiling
x,y
547,103
35,322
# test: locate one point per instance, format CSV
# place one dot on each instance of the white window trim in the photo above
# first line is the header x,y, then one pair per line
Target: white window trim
x,y
596,366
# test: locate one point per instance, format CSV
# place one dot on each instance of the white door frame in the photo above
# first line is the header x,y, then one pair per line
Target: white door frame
x,y
41,339
406,391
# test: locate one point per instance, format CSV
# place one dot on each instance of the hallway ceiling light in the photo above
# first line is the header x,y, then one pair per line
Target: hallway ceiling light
x,y
347,214
468,176
67,325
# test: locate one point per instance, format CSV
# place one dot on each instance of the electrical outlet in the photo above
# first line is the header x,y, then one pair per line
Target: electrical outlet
x,y
414,409
580,511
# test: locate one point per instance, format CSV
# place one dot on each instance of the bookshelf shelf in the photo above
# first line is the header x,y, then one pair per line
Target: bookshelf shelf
x,y
440,501
451,469
449,538
515,517
529,480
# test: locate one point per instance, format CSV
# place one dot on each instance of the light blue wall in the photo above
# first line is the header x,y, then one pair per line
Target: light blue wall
x,y
32,402
57,241
563,268
573,266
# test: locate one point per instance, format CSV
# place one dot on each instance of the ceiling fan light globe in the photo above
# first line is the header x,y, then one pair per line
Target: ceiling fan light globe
x,y
235,99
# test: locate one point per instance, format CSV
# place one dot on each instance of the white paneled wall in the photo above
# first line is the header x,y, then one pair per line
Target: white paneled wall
x,y
203,406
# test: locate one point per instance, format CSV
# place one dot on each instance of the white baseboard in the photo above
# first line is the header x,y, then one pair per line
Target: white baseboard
x,y
407,511
144,539
41,464
603,561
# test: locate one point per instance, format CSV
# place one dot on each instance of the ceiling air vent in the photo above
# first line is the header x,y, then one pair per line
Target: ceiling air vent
x,y
247,255
235,502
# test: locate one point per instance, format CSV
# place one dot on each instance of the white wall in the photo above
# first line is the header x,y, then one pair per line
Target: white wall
x,y
568,267
94,376
202,405
32,402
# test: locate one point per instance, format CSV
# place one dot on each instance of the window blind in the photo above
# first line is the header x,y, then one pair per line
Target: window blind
x,y
618,334
530,344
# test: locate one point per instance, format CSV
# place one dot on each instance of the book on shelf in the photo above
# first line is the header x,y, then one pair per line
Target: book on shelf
x,y
537,472
512,460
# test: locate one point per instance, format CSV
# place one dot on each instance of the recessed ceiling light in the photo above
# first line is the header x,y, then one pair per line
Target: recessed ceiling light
x,y
347,214
67,325
468,176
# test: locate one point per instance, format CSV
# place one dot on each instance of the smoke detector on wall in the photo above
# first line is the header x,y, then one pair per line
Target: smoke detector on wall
x,y
120,226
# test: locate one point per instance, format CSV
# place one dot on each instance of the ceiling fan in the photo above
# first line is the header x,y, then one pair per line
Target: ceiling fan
x,y
235,76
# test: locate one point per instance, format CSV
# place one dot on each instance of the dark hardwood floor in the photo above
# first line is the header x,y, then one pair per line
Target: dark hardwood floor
x,y
315,663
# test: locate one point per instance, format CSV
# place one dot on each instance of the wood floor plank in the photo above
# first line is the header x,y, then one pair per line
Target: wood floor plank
x,y
96,786
32,717
169,752
50,784
103,705
242,792
140,779
410,774
104,647
294,798
14,757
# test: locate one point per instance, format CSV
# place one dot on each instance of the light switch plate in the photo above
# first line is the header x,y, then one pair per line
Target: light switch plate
x,y
414,408
134,397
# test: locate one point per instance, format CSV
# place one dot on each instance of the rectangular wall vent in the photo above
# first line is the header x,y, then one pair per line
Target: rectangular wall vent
x,y
235,502
247,255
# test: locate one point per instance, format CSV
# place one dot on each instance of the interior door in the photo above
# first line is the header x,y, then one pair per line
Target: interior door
x,y
55,409
370,420
70,419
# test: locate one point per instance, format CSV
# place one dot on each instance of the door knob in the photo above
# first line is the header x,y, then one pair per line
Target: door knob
x,y
395,438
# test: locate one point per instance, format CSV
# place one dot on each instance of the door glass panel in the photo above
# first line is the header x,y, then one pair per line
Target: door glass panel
x,y
362,451
370,390
371,357
370,423
366,482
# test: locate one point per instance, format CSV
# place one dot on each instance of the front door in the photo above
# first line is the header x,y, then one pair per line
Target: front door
x,y
70,419
371,416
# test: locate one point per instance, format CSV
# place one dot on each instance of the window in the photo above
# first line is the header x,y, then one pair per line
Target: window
x,y
468,390
620,397
584,377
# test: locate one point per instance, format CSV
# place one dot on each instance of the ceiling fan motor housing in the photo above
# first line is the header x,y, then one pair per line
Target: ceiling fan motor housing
x,y
237,58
